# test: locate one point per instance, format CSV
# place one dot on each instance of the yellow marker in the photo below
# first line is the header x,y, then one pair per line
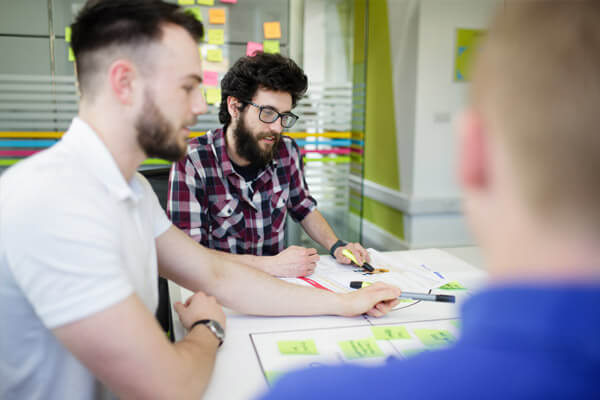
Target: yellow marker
x,y
349,254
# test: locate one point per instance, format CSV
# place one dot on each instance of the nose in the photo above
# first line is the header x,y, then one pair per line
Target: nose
x,y
199,105
276,127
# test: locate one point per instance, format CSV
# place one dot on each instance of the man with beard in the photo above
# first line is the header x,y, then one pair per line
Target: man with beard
x,y
529,166
82,235
235,187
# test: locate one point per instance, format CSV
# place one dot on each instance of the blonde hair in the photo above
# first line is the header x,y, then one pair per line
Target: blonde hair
x,y
537,84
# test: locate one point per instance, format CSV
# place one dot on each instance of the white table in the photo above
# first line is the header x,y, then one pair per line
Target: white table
x,y
238,374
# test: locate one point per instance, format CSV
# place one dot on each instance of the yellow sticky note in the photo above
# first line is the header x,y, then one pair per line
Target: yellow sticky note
x,y
390,332
216,16
216,36
196,12
214,55
434,337
185,2
361,348
213,95
71,55
272,30
304,347
206,2
68,34
271,46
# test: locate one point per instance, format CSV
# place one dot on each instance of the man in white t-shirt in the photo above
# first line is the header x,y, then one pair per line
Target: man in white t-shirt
x,y
82,235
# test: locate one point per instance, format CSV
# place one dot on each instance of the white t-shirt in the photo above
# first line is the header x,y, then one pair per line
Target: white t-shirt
x,y
75,239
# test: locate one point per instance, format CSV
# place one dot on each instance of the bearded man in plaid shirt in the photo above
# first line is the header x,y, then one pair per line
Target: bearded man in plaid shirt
x,y
233,190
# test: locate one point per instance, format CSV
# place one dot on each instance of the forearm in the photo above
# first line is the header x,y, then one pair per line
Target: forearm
x,y
315,225
196,354
253,292
261,263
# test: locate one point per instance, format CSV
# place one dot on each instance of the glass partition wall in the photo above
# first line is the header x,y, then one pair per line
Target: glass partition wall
x,y
38,97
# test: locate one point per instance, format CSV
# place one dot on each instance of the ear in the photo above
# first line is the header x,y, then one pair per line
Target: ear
x,y
232,106
122,78
474,162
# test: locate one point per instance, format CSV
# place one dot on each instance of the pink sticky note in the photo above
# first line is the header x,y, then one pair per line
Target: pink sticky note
x,y
211,78
229,1
253,47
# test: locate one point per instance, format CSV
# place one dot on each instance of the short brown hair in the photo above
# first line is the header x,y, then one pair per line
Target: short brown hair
x,y
537,84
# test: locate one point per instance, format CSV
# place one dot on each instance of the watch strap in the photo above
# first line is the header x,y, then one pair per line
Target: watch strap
x,y
213,326
339,243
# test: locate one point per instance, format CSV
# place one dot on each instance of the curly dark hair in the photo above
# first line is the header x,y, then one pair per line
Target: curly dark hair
x,y
264,71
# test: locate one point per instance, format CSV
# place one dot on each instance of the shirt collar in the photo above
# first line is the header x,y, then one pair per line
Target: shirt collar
x,y
95,156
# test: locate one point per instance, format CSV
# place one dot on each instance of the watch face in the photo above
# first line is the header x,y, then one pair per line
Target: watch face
x,y
217,329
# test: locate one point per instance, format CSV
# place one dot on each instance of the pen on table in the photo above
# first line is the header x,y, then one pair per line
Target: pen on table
x,y
444,298
365,265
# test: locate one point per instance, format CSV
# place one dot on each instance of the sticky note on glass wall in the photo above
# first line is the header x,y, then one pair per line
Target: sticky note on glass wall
x,y
216,36
211,78
229,1
292,347
206,2
214,55
272,30
68,34
71,55
213,95
271,46
196,12
216,16
185,2
253,47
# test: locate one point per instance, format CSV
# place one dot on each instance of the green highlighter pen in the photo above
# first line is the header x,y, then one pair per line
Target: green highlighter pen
x,y
444,298
365,265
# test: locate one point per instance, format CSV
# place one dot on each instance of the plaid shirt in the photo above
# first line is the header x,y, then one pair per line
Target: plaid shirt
x,y
218,208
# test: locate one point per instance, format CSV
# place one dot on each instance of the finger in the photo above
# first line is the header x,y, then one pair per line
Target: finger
x,y
374,312
179,307
314,258
311,251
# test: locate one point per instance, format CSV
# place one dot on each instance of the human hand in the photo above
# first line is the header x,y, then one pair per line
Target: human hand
x,y
199,306
360,253
294,261
375,300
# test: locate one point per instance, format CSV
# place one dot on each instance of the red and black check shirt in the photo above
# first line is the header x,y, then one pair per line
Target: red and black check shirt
x,y
218,208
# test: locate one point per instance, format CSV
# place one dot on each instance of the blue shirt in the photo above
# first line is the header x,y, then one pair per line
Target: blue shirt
x,y
516,343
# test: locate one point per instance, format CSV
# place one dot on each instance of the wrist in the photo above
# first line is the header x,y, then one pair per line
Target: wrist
x,y
212,326
339,243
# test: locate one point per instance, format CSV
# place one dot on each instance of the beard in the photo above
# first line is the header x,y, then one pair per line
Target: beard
x,y
247,147
156,135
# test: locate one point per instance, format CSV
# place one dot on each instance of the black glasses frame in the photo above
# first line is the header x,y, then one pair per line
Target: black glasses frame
x,y
285,117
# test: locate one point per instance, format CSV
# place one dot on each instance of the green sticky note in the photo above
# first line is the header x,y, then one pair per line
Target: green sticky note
x,y
213,95
68,34
456,323
297,347
216,36
271,46
434,338
273,376
214,55
453,286
206,2
196,12
362,348
71,55
185,2
390,332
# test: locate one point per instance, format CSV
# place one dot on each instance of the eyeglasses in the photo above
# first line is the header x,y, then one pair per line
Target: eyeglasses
x,y
268,115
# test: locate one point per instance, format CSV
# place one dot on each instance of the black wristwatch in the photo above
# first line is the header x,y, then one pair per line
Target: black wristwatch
x,y
339,243
212,326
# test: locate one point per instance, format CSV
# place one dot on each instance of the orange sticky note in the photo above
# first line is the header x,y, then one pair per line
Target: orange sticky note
x,y
216,16
253,47
272,30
